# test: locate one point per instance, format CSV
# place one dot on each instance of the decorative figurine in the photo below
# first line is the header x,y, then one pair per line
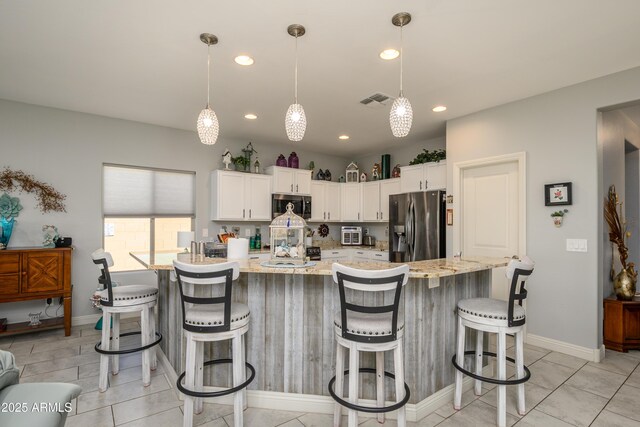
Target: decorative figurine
x,y
248,151
256,166
320,175
50,235
311,167
327,175
281,161
323,230
226,158
352,172
293,160
396,171
341,179
376,172
363,177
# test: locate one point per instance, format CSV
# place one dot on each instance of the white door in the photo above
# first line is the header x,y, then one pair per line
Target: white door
x,y
490,216
332,201
318,212
387,188
302,181
371,201
258,197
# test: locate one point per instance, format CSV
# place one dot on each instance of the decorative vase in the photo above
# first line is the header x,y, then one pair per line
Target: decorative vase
x,y
624,285
281,161
6,228
557,221
293,160
386,166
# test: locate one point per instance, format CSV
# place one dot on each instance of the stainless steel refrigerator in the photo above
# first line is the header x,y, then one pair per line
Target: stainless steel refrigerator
x,y
417,226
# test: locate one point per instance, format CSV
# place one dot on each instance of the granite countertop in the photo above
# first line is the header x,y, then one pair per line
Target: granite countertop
x,y
418,270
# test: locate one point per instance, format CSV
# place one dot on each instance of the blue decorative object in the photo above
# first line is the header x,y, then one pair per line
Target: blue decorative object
x,y
6,228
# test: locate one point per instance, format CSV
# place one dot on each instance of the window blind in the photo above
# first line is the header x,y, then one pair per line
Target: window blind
x,y
133,191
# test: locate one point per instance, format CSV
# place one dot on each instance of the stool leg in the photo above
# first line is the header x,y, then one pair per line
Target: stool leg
x,y
103,383
380,383
237,380
354,368
457,397
339,384
398,360
144,334
199,376
520,371
189,379
479,350
502,375
152,338
243,352
115,342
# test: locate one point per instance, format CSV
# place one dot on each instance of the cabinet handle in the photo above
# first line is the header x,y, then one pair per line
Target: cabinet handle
x,y
249,213
296,188
242,213
377,215
425,184
292,188
380,215
324,215
421,185
358,216
329,215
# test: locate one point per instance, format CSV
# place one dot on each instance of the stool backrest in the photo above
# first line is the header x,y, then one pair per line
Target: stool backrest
x,y
219,275
518,271
104,260
370,281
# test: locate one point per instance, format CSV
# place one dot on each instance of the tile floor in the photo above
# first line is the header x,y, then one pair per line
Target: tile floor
x,y
563,390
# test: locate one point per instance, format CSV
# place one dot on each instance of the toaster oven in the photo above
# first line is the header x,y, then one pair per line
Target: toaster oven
x,y
351,235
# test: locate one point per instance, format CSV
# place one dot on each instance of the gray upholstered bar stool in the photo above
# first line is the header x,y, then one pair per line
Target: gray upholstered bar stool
x,y
115,300
208,318
371,329
501,318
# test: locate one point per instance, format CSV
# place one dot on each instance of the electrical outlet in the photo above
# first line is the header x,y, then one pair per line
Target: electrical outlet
x,y
49,301
205,232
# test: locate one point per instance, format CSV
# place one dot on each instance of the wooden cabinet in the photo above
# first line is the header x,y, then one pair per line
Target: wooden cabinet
x,y
325,201
424,177
36,273
240,196
290,181
621,324
351,202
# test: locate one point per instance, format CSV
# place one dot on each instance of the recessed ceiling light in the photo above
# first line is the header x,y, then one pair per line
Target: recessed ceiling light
x,y
389,54
439,108
343,137
250,116
244,60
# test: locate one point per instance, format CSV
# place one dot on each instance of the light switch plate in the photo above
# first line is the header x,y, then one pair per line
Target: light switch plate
x,y
205,232
576,245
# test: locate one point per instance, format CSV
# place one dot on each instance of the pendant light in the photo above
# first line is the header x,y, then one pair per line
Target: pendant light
x,y
401,115
207,124
295,121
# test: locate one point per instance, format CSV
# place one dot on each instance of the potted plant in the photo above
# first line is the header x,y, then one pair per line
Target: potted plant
x,y
557,217
242,163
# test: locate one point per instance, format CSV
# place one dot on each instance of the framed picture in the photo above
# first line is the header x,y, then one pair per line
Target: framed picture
x,y
449,216
557,194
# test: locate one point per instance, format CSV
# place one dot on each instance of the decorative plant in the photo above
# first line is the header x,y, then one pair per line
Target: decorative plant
x,y
559,213
10,207
618,230
241,161
309,232
49,200
429,156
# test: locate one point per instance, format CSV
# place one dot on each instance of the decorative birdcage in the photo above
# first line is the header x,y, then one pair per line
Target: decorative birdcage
x,y
288,238
353,172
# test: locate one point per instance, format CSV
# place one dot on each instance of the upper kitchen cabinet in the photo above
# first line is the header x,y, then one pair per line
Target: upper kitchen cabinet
x,y
387,188
290,180
325,201
424,177
375,199
240,196
351,202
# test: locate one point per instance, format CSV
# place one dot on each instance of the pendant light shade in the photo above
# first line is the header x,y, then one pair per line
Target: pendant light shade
x,y
295,121
401,115
207,124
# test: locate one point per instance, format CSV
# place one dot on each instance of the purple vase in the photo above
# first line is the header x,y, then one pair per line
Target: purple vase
x,y
293,160
281,161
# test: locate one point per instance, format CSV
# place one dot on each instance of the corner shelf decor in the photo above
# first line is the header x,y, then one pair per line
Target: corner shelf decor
x,y
624,283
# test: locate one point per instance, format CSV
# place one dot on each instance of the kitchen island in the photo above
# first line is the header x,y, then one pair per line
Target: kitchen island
x,y
291,340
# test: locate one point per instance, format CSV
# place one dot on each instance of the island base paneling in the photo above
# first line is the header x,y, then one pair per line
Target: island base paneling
x,y
291,340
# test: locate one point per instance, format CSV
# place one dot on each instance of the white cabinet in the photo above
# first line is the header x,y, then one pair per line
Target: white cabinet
x,y
375,199
325,201
387,188
336,254
290,180
240,196
360,255
351,202
378,256
424,177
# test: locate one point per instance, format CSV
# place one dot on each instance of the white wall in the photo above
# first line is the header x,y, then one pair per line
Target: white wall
x,y
558,131
67,150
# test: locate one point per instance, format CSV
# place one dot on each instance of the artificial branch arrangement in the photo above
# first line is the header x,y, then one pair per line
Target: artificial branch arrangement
x,y
625,281
49,200
429,156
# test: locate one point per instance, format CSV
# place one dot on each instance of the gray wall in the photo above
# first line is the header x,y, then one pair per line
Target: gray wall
x,y
67,150
632,202
558,131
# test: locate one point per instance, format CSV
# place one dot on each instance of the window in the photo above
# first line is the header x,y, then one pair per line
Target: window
x,y
143,209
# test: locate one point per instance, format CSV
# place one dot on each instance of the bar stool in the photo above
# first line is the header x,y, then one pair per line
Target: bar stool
x,y
501,318
373,329
124,299
207,319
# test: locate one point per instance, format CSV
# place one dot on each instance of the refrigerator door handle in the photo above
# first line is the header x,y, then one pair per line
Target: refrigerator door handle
x,y
409,230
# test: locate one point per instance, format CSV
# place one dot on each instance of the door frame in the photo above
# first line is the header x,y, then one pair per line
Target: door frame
x,y
458,170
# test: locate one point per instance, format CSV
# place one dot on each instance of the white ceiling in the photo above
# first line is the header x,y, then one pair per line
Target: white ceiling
x,y
142,60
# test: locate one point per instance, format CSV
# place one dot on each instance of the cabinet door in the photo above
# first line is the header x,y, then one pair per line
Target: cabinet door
x,y
302,181
411,178
436,176
318,212
378,256
387,188
228,196
371,201
332,201
258,197
283,180
336,254
351,202
9,274
44,271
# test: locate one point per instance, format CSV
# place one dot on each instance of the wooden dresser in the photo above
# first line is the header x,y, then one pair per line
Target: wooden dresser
x,y
36,274
621,324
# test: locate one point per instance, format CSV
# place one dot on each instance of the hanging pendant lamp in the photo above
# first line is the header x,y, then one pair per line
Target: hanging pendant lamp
x,y
207,124
295,121
401,115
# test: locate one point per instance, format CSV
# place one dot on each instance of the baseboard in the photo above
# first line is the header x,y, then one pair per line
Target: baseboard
x,y
93,318
590,354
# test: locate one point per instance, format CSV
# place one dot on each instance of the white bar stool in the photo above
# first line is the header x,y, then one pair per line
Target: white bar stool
x,y
369,328
207,319
501,318
124,299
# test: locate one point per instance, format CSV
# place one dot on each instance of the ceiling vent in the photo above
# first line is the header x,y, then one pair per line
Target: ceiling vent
x,y
377,100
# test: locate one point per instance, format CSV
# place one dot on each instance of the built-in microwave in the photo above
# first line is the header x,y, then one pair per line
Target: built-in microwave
x,y
301,205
